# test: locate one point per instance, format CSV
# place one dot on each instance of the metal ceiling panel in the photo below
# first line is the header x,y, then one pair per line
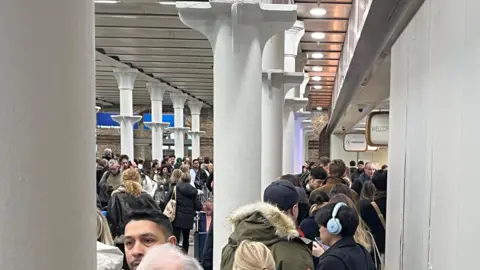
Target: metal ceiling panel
x,y
184,59
172,65
131,32
135,9
141,21
159,51
178,70
101,42
182,75
334,11
322,47
325,25
329,37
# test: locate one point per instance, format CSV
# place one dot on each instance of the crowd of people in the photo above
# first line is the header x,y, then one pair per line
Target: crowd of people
x,y
329,217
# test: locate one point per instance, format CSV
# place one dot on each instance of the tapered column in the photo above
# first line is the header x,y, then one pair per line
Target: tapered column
x,y
195,108
292,102
47,72
157,91
301,118
237,32
126,80
307,132
178,100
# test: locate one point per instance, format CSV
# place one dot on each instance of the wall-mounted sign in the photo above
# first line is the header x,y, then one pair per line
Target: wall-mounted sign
x,y
104,120
355,142
377,129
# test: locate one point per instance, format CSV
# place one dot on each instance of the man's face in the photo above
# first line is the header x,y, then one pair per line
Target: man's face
x,y
171,160
370,170
196,165
361,166
114,168
315,183
140,236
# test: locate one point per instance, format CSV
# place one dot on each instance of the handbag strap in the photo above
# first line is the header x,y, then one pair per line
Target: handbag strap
x,y
379,213
174,196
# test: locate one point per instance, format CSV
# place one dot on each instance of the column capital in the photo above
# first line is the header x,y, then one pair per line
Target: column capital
x,y
125,77
178,100
303,85
126,118
195,107
296,103
156,89
306,123
293,37
301,61
194,133
154,125
178,129
282,80
302,115
269,19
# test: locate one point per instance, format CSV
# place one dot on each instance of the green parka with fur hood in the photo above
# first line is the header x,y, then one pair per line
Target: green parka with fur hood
x,y
265,223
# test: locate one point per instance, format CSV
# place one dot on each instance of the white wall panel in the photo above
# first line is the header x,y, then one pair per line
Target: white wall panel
x,y
432,212
337,152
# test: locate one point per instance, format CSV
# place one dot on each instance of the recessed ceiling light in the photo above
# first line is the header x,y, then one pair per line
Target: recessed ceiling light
x,y
107,1
317,55
168,3
318,12
317,68
318,35
316,78
317,87
319,108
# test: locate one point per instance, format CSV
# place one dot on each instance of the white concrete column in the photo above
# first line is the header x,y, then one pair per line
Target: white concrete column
x,y
157,91
238,33
275,84
126,80
292,105
300,120
307,132
178,100
47,73
195,108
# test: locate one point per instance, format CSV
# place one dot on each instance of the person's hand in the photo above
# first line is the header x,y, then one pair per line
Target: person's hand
x,y
317,250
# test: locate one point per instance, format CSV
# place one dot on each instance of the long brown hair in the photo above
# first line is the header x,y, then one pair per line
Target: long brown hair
x,y
131,182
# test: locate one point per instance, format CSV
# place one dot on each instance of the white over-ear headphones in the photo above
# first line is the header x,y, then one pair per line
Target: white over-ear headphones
x,y
333,225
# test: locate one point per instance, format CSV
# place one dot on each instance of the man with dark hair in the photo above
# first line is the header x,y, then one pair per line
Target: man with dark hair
x,y
272,223
317,177
338,224
145,229
358,171
337,172
324,163
353,168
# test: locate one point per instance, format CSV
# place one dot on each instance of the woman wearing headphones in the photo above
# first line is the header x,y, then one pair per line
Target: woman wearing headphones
x,y
338,224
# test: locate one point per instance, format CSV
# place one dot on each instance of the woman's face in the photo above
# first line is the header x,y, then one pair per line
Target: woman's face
x,y
164,170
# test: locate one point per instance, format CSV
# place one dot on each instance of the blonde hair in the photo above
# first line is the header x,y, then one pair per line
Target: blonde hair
x,y
103,231
177,175
185,169
253,256
131,182
362,236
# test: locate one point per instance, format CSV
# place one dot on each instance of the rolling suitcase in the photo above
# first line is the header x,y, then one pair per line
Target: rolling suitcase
x,y
200,235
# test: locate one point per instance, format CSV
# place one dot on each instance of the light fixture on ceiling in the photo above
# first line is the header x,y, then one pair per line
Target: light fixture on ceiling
x,y
318,12
317,87
317,55
319,108
317,68
168,3
107,1
318,35
316,78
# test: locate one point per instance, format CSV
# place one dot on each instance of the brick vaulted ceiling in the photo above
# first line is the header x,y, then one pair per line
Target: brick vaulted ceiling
x,y
148,35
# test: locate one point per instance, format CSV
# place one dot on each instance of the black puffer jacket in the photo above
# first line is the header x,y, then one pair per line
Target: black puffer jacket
x,y
121,203
187,203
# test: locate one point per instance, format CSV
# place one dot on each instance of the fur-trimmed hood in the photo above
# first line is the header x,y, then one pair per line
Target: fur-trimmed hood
x,y
266,216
